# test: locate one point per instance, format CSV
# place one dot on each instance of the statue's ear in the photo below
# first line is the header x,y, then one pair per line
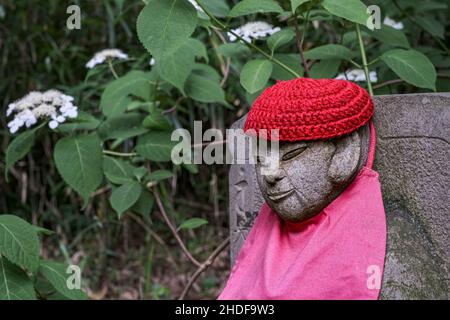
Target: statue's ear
x,y
345,158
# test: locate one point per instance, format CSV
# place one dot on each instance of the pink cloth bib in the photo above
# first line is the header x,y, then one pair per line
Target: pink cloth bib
x,y
338,254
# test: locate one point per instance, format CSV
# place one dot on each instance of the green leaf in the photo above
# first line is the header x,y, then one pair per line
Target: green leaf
x,y
140,172
207,71
233,50
325,69
175,67
79,161
329,51
84,121
117,171
159,175
412,67
124,197
156,146
56,274
19,148
19,242
255,74
390,36
254,6
116,96
193,223
280,38
431,25
122,127
163,25
205,90
296,3
43,231
145,204
156,121
218,8
292,61
14,283
352,10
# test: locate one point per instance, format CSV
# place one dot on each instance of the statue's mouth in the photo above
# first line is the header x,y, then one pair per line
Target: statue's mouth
x,y
279,195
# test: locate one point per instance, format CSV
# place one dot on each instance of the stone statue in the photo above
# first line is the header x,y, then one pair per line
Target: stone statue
x,y
412,159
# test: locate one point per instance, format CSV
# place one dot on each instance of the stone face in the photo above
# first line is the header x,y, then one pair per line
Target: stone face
x,y
412,158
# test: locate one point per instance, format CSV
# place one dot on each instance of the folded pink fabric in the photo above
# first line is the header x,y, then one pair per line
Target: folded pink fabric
x,y
338,254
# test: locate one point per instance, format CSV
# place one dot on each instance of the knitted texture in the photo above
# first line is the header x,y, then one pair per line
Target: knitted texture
x,y
310,109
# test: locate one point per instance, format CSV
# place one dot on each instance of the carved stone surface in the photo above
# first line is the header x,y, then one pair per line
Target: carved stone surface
x,y
413,149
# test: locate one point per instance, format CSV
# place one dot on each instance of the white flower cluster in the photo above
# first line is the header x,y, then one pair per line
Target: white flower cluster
x,y
357,75
392,23
253,30
196,6
103,55
51,104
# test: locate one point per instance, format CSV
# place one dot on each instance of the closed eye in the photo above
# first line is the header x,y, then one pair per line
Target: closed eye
x,y
293,153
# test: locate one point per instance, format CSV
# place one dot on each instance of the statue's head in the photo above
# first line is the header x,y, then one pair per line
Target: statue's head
x,y
323,143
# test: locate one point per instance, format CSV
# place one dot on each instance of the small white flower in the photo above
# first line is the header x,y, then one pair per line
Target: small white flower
x,y
196,6
152,62
253,30
103,55
392,23
51,104
358,75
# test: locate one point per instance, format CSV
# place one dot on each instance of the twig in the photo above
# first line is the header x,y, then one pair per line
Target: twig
x,y
225,66
395,81
364,59
174,230
119,154
175,106
204,266
299,39
111,67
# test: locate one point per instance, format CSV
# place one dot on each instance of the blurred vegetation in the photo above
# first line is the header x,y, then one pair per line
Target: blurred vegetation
x,y
136,255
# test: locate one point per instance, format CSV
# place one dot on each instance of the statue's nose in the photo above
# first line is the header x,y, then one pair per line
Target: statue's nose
x,y
274,176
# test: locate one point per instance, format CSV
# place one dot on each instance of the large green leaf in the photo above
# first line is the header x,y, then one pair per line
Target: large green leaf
x,y
329,51
176,66
280,38
56,274
79,161
255,74
292,60
14,283
352,10
325,69
19,148
122,127
156,145
163,25
391,37
84,121
124,197
254,6
116,96
203,89
19,242
412,67
117,171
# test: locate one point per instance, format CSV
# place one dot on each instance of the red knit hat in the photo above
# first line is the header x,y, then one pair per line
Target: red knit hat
x,y
310,109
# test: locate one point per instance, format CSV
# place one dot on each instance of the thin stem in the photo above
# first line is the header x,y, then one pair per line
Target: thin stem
x,y
111,67
248,43
174,230
205,266
355,63
119,154
364,59
299,39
